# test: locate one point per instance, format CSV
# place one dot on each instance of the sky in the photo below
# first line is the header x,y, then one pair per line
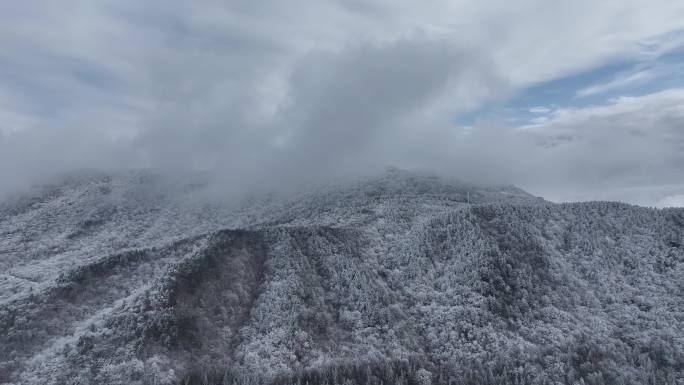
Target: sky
x,y
570,100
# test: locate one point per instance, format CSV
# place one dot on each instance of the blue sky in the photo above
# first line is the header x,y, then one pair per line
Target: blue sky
x,y
593,86
572,100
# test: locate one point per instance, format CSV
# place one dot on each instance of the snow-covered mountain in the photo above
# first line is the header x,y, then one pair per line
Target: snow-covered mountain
x,y
131,278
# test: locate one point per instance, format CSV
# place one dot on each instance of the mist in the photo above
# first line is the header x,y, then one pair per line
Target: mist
x,y
268,96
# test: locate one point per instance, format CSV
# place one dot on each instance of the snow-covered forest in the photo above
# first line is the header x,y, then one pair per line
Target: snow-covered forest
x,y
401,278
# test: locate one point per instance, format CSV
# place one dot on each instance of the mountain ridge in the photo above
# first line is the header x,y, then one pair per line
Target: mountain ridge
x,y
397,269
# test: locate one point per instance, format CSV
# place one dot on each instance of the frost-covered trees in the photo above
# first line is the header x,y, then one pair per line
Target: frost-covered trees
x,y
396,280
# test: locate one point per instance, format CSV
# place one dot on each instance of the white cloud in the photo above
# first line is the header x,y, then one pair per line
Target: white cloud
x,y
671,201
628,80
641,75
247,85
642,113
540,110
627,145
13,121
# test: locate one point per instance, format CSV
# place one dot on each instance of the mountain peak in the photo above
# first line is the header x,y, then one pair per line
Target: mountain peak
x,y
130,278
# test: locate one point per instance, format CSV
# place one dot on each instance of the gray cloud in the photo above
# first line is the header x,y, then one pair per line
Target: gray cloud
x,y
264,94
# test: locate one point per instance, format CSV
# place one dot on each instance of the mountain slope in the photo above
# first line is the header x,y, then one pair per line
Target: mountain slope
x,y
110,280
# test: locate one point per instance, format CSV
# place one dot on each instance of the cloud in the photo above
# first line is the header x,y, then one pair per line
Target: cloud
x,y
665,70
268,91
540,110
628,143
671,201
631,79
